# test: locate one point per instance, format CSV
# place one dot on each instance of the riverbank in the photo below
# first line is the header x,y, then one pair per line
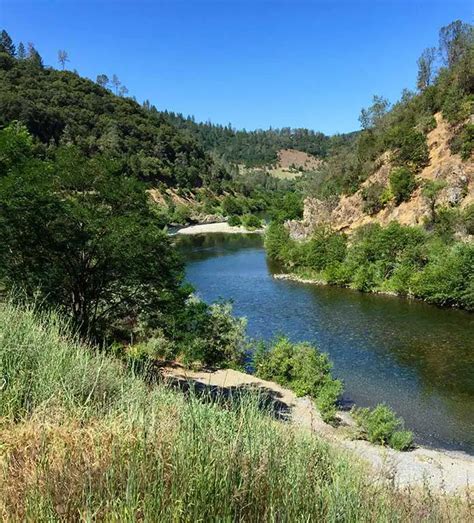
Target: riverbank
x,y
440,470
315,281
219,227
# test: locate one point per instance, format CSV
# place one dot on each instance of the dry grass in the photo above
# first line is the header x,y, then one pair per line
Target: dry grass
x,y
127,452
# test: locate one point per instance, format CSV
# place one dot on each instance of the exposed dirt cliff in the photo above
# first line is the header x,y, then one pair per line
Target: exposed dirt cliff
x,y
348,214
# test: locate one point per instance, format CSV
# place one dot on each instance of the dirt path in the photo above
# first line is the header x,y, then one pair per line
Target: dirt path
x,y
441,470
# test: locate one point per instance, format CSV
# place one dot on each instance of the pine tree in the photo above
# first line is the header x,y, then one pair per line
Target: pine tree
x,y
6,44
33,56
21,51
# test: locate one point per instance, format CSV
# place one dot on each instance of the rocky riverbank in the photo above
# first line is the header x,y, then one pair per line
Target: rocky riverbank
x,y
440,470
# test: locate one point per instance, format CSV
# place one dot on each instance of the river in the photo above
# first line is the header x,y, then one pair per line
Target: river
x,y
415,357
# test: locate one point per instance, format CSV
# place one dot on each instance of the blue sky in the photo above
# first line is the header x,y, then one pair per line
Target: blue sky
x,y
254,63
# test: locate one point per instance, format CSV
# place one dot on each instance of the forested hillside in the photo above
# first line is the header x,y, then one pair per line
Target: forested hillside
x,y
61,108
260,147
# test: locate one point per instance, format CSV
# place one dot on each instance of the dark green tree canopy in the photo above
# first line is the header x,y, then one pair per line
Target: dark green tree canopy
x,y
79,235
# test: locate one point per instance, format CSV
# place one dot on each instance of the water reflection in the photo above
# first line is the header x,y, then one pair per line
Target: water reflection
x,y
416,357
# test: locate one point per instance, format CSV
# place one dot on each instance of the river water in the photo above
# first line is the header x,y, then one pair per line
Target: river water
x,y
415,357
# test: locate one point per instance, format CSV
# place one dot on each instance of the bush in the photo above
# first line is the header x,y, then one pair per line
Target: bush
x,y
250,221
327,399
380,425
373,198
463,142
303,369
402,183
401,440
467,219
277,241
234,220
325,248
214,337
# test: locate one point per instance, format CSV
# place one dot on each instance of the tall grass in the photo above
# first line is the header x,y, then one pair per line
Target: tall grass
x,y
82,439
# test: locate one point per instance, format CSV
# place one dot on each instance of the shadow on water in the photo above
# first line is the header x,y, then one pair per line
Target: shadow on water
x,y
417,358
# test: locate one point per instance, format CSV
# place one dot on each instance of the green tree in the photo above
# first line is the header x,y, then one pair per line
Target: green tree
x,y
33,56
102,80
425,68
6,44
454,41
430,191
79,236
21,51
402,183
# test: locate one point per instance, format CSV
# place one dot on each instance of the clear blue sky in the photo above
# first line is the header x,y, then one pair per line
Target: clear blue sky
x,y
254,63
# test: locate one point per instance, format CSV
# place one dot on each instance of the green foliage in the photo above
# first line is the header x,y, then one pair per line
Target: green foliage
x,y
16,147
251,148
380,425
411,149
211,336
449,278
80,236
234,220
463,142
402,184
250,221
234,205
467,219
277,240
303,369
406,260
373,196
324,249
59,107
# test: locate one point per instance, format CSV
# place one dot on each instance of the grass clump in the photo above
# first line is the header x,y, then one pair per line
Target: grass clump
x,y
381,426
303,369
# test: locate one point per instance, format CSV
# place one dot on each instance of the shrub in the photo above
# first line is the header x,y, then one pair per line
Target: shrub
x,y
181,214
467,219
463,142
250,221
234,220
381,425
401,440
327,398
233,205
277,240
215,337
373,198
402,183
303,369
325,248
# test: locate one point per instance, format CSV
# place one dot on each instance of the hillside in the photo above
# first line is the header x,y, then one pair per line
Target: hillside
x,y
61,107
454,175
259,148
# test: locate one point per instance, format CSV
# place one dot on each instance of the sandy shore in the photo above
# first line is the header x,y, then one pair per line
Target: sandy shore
x,y
439,469
223,227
